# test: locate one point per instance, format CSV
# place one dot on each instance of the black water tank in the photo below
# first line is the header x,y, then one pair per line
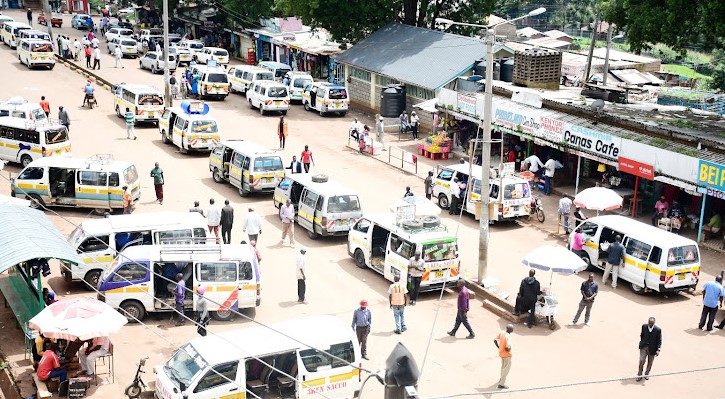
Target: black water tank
x,y
507,71
480,69
392,101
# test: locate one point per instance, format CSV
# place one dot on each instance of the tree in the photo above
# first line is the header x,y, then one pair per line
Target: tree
x,y
676,23
246,13
718,72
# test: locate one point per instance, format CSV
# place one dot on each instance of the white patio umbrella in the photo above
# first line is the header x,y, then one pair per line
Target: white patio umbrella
x,y
554,258
599,199
82,318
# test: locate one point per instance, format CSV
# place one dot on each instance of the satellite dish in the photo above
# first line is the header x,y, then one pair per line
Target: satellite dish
x,y
597,105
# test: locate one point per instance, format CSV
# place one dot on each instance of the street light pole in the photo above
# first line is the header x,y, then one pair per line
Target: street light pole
x,y
167,88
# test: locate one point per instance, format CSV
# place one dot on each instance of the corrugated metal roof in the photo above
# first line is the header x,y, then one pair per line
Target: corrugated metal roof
x,y
28,234
417,56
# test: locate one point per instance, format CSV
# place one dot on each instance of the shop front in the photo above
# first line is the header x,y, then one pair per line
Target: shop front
x,y
711,179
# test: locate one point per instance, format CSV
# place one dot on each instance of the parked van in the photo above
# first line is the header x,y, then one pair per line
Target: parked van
x,y
137,281
242,76
146,102
278,69
325,98
385,244
10,32
209,54
322,207
297,83
21,108
246,166
267,95
33,34
213,83
510,195
36,52
100,240
4,19
300,348
654,260
194,46
95,182
189,127
23,141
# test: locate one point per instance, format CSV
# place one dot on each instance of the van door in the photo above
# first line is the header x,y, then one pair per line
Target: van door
x,y
92,189
313,369
220,281
397,257
247,284
321,375
590,231
306,209
634,266
235,170
97,254
359,242
442,186
221,381
680,266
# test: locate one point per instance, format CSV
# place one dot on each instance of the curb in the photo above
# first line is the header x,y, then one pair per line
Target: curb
x,y
84,72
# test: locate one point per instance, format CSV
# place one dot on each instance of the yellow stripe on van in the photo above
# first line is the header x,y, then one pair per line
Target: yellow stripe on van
x,y
344,376
314,383
134,289
87,190
278,198
638,265
216,160
252,287
305,215
13,146
592,245
36,150
224,288
238,395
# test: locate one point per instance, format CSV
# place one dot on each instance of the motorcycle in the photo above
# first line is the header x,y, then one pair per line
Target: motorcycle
x,y
537,209
91,100
134,390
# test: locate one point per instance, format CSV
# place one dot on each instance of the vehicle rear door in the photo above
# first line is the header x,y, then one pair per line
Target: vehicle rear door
x,y
636,257
397,257
306,209
682,267
236,169
219,278
92,189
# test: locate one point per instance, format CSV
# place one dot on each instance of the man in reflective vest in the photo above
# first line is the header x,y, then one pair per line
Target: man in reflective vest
x,y
398,297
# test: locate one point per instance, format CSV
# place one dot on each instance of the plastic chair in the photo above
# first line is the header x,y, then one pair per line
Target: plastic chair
x,y
105,361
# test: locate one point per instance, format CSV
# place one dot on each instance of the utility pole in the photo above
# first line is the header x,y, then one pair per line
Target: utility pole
x,y
483,233
606,59
167,88
591,49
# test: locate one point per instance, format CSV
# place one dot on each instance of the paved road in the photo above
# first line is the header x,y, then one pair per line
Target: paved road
x,y
335,285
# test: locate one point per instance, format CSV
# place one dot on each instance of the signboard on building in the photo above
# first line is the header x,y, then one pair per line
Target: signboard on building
x,y
466,104
711,175
636,168
552,129
592,140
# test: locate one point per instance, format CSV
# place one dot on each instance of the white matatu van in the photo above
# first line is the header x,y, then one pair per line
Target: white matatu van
x,y
654,259
100,240
229,364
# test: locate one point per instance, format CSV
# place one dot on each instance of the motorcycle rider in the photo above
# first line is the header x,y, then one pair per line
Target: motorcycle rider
x,y
88,90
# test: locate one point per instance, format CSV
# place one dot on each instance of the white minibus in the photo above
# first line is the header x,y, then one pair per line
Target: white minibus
x,y
146,102
24,141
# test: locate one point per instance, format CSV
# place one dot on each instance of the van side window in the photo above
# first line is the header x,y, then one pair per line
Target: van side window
x,y
200,232
179,123
89,178
589,228
237,161
113,179
320,201
493,192
344,354
362,226
222,374
94,244
402,247
245,271
130,272
310,199
608,235
31,174
173,236
217,271
637,249
655,255
245,163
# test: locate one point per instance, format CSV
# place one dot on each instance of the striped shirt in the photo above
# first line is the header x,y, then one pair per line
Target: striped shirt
x,y
129,118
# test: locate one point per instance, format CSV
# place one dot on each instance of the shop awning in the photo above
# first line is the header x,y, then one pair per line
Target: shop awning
x,y
428,105
29,234
689,188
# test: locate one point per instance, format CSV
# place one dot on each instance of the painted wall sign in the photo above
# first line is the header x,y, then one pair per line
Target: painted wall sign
x,y
711,175
552,129
636,168
591,140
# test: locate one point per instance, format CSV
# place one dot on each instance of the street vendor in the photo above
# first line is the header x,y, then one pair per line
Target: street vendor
x,y
95,348
49,365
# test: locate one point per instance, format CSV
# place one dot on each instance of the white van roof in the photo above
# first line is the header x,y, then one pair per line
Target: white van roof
x,y
267,83
80,163
327,188
641,231
316,331
190,253
251,68
141,221
247,147
477,170
30,124
16,24
387,220
134,87
192,117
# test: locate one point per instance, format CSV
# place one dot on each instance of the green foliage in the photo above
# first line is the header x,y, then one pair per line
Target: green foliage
x,y
247,13
718,72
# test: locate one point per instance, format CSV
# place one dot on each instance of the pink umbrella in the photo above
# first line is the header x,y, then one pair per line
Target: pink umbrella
x,y
599,199
82,318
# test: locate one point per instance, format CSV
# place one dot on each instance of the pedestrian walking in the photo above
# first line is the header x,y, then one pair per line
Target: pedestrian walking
x,y
76,49
158,174
549,169
45,105
614,260
118,56
127,201
529,291
89,54
301,277
361,324
650,343
30,16
196,208
307,158
65,46
416,267
130,120
380,131
455,192
253,243
712,296
96,57
503,343
565,211
408,193
253,225
414,124
295,166
213,218
63,117
202,312
282,131
429,185
462,315
287,213
589,291
227,220
179,294
173,85
398,299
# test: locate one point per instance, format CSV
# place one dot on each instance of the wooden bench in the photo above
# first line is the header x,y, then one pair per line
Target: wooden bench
x,y
42,388
19,298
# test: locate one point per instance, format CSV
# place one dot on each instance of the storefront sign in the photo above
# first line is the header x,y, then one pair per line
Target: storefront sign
x,y
711,175
466,104
516,121
636,168
591,140
712,193
552,129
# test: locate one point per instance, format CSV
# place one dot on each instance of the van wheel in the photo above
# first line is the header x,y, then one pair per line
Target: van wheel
x,y
590,267
164,139
25,160
133,310
100,211
250,104
217,176
312,234
360,259
243,193
36,202
261,110
636,289
443,201
306,105
342,114
91,278
223,314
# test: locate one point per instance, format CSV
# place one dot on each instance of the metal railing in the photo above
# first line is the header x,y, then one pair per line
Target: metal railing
x,y
405,158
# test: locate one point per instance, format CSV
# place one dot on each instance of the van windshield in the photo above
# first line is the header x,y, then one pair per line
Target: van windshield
x,y
445,249
41,48
55,136
128,43
150,99
38,115
204,127
277,92
685,255
196,46
516,190
76,236
265,76
268,164
343,203
338,94
184,365
221,53
300,83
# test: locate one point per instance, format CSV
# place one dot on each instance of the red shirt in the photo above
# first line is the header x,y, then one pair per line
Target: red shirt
x,y
45,105
48,363
306,156
511,156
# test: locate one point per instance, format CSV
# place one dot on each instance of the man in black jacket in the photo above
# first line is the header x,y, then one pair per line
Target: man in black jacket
x,y
650,342
529,291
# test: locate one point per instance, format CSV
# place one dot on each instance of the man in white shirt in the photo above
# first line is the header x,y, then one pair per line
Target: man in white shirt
x,y
455,191
355,129
301,277
213,218
253,225
65,46
287,213
96,58
95,42
549,169
76,49
414,123
565,211
533,163
118,55
85,41
96,348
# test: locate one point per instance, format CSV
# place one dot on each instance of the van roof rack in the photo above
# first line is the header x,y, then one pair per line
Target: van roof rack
x,y
101,158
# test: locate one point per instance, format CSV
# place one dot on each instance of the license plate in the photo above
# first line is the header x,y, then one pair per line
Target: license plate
x,y
515,208
337,104
268,179
277,102
151,114
681,276
439,273
342,221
